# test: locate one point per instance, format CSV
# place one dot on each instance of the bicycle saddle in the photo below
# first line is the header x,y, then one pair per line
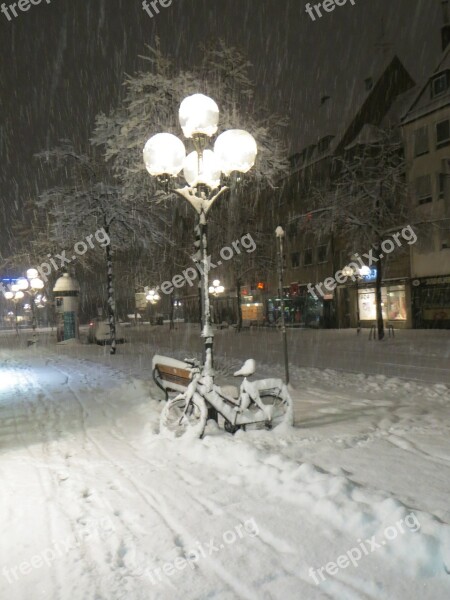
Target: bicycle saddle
x,y
247,369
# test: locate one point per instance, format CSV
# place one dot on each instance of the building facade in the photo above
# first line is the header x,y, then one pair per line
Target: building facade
x,y
426,128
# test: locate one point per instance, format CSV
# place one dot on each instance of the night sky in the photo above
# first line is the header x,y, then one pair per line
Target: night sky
x,y
63,62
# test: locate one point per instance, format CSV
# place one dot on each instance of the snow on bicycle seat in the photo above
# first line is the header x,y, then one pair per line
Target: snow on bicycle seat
x,y
247,369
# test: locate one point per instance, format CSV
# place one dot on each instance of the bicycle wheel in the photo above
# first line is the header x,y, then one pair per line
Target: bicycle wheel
x,y
177,422
278,404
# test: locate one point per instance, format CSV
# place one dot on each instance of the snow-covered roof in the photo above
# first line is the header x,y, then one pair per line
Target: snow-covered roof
x,y
66,283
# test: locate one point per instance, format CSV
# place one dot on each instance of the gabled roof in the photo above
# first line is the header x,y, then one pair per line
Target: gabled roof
x,y
423,103
391,87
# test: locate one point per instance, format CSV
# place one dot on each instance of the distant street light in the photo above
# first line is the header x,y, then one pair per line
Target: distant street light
x,y
153,297
279,233
216,288
207,174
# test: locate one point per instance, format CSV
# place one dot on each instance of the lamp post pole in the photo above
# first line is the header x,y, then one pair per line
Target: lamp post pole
x,y
279,233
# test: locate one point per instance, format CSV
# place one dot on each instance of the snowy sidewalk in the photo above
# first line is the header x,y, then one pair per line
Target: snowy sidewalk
x,y
96,505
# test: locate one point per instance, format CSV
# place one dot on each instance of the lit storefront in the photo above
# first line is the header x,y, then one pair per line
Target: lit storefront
x,y
301,308
394,304
431,302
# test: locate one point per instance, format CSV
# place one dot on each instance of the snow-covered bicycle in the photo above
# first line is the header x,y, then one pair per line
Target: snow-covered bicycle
x,y
265,403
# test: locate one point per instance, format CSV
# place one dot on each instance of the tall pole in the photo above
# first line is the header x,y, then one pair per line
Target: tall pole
x,y
279,232
33,312
358,316
110,290
16,309
207,333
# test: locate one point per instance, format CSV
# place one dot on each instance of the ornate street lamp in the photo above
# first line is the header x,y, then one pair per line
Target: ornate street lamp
x,y
216,288
15,295
206,173
357,274
279,234
153,297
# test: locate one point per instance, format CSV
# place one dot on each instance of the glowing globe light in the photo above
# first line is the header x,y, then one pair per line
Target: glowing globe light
x,y
347,271
32,274
36,283
236,150
210,169
19,295
22,283
199,115
164,154
9,295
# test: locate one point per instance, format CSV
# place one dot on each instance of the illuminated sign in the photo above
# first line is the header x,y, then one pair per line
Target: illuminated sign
x,y
371,276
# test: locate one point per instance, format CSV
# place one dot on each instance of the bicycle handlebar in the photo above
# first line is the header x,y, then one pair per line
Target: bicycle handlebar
x,y
193,362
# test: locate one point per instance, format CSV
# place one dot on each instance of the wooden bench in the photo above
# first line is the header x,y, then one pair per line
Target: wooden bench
x,y
170,375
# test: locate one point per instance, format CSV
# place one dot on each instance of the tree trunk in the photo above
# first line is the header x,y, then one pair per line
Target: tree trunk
x,y
378,296
378,253
239,304
111,303
172,310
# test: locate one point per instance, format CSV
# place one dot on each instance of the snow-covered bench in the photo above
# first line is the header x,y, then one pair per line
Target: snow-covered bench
x,y
170,374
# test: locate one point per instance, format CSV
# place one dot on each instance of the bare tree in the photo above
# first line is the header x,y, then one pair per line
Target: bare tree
x,y
365,201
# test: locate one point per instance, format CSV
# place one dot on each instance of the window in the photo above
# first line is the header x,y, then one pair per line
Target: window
x,y
295,260
439,85
292,229
308,257
423,190
441,177
322,253
421,145
442,134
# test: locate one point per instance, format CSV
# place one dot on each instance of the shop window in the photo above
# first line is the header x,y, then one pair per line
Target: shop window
x,y
295,260
421,143
308,257
423,190
322,253
442,134
394,304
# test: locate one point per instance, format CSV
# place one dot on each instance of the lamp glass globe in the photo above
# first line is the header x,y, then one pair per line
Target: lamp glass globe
x,y
199,115
210,169
37,284
22,283
164,154
236,150
32,274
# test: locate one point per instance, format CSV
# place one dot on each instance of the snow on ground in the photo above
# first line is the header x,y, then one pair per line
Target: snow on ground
x,y
352,503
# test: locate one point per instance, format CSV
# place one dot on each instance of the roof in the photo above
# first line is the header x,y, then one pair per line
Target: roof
x,y
423,103
360,115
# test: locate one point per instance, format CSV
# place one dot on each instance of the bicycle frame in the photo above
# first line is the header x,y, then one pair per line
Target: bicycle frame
x,y
232,410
